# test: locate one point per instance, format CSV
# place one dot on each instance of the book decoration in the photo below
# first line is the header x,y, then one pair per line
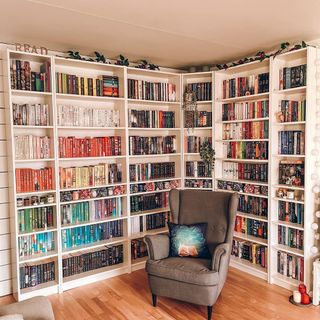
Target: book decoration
x,y
190,107
144,64
207,154
261,55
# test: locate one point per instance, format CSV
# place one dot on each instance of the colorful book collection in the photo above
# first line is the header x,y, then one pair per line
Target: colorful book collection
x,y
85,235
79,116
253,205
202,184
92,260
246,130
290,237
290,266
23,78
154,186
102,86
251,227
245,110
151,119
90,176
255,150
203,90
292,77
72,147
146,90
138,249
83,194
245,171
31,180
243,187
32,147
291,212
245,86
291,173
34,219
152,145
252,252
149,171
32,275
199,119
152,222
192,144
150,201
31,114
198,169
291,142
38,243
291,111
87,211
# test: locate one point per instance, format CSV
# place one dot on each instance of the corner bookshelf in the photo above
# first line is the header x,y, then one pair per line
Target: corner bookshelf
x,y
202,84
242,120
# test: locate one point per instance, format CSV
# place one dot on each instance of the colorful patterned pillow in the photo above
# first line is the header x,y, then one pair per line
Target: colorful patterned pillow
x,y
188,240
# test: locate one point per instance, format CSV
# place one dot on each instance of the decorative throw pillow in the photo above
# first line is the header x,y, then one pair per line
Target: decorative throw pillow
x,y
188,240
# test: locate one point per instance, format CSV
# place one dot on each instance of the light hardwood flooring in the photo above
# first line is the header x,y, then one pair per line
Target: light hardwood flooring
x,y
128,297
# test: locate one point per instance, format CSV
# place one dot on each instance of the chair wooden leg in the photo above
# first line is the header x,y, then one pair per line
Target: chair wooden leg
x,y
154,300
209,312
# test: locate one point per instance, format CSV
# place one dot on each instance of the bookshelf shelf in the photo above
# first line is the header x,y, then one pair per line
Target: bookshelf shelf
x,y
150,232
210,101
29,233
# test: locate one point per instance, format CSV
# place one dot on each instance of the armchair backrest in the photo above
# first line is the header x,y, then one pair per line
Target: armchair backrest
x,y
217,209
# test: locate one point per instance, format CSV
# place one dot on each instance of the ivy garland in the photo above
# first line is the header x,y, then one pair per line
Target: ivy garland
x,y
207,154
261,55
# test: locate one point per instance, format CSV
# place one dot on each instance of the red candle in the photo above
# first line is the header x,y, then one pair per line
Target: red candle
x,y
305,299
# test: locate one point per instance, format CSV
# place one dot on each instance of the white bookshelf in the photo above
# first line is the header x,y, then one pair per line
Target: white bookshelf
x,y
124,105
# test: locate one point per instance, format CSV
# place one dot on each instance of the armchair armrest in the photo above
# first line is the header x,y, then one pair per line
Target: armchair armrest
x,y
158,246
220,257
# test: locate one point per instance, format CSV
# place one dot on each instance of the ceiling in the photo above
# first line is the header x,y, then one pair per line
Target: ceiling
x,y
171,33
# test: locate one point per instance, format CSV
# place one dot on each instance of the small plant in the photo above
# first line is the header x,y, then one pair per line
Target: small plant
x,y
122,61
207,154
144,64
100,57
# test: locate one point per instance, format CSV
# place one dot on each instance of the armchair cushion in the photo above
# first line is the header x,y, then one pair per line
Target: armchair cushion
x,y
188,270
158,246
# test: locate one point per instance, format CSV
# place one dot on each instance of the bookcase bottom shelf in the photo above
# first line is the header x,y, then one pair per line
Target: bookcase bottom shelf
x,y
44,289
249,267
285,282
137,264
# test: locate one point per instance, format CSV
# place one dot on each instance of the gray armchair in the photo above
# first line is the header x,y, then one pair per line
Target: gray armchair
x,y
194,280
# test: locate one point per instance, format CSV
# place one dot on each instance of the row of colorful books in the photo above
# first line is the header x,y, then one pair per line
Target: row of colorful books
x,y
245,110
152,145
199,119
32,147
253,205
146,90
31,180
202,183
292,111
149,171
31,114
255,150
89,176
36,218
92,260
293,77
154,186
79,116
103,86
290,266
151,222
291,172
255,253
245,171
198,169
91,211
290,237
291,142
150,201
251,227
244,86
246,130
291,212
23,78
151,119
85,235
203,90
243,187
32,275
192,144
72,147
138,249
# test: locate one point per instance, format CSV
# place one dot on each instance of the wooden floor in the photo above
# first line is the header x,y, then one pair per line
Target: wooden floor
x,y
128,297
